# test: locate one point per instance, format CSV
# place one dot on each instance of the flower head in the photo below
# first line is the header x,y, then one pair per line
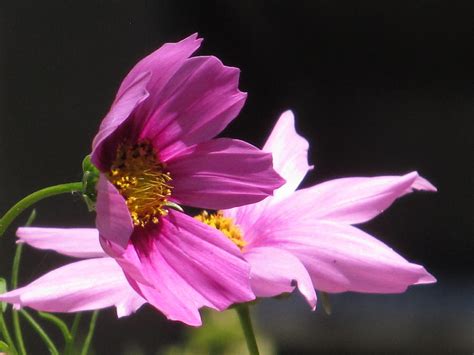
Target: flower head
x,y
307,236
156,148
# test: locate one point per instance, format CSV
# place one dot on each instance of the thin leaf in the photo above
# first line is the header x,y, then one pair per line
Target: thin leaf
x,y
3,289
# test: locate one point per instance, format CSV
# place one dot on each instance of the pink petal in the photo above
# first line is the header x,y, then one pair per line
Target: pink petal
x,y
76,242
222,173
123,106
290,154
197,103
113,218
189,265
349,200
80,286
290,160
343,258
162,64
274,271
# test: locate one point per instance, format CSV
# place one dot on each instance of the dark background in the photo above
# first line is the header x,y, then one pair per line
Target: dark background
x,y
377,87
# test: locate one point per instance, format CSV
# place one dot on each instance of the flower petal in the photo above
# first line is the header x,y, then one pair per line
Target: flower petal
x,y
189,265
162,64
274,271
113,218
290,154
349,200
76,242
343,258
123,106
222,173
80,286
198,102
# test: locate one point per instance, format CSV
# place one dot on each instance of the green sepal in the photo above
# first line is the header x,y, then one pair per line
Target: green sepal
x,y
3,289
4,347
90,178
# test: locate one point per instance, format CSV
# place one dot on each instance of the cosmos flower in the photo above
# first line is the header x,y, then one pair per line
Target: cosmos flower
x,y
156,148
95,282
307,237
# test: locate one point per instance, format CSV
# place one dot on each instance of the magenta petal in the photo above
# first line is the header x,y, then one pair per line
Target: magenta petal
x,y
290,160
162,64
222,173
198,102
113,218
76,242
349,200
274,271
190,266
290,154
84,285
343,258
121,109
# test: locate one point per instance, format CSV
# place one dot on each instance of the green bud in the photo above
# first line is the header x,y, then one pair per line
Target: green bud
x,y
89,181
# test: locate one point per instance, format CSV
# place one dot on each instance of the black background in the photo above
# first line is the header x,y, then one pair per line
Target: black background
x,y
377,87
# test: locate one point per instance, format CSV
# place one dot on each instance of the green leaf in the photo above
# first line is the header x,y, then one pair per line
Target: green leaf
x,y
4,347
3,289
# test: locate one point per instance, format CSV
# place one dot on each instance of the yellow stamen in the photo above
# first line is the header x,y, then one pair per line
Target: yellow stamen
x,y
225,225
142,180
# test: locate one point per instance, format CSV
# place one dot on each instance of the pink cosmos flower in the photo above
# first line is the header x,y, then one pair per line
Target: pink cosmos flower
x,y
306,237
95,282
154,148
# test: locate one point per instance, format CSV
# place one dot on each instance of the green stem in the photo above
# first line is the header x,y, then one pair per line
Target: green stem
x,y
15,318
30,200
90,333
46,339
58,322
75,326
6,334
15,270
246,323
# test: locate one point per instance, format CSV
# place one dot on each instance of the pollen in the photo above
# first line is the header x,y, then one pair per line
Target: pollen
x,y
142,180
224,224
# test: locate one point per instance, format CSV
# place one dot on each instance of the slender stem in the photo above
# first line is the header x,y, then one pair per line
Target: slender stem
x,y
46,339
6,334
29,200
15,270
75,326
90,333
58,322
15,318
246,323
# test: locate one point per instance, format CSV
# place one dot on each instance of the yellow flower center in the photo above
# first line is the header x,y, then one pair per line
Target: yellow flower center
x,y
225,225
142,180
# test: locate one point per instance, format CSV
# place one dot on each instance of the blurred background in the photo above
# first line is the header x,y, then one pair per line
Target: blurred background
x,y
377,87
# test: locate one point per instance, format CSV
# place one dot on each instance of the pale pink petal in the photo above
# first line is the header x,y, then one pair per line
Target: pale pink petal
x,y
190,265
343,258
113,218
84,285
123,106
275,271
198,102
290,154
222,173
349,200
75,242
